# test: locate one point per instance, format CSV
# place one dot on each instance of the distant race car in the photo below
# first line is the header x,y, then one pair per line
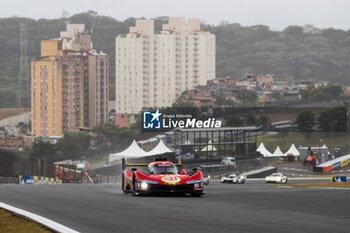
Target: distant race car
x,y
233,178
277,178
162,176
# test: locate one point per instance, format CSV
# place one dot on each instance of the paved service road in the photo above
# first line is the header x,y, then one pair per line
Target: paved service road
x,y
251,207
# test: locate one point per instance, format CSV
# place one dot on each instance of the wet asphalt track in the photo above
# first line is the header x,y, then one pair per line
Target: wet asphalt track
x,y
251,207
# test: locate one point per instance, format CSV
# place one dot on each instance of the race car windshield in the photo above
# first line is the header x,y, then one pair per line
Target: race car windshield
x,y
162,169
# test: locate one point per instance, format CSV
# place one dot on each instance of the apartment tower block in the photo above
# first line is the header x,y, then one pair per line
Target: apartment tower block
x,y
153,69
69,84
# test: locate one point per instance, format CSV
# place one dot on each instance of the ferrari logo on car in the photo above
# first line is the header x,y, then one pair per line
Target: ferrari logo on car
x,y
170,179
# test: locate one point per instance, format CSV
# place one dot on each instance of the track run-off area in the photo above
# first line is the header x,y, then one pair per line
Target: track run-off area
x,y
250,207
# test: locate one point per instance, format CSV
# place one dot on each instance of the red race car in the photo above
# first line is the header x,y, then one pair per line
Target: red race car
x,y
162,176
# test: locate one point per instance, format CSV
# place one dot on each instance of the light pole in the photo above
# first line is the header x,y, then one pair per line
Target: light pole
x,y
319,149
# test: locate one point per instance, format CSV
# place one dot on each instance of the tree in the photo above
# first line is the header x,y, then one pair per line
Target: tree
x,y
73,146
276,95
247,97
233,121
333,120
44,150
250,120
264,122
326,93
306,121
221,101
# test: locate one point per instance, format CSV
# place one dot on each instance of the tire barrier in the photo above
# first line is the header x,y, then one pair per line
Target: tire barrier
x,y
333,164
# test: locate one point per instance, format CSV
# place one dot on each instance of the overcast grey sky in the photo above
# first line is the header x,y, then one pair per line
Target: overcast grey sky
x,y
275,13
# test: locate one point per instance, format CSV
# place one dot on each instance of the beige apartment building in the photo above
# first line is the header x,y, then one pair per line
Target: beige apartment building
x,y
69,84
153,69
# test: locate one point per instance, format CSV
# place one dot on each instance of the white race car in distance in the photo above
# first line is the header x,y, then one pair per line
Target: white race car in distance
x,y
233,178
276,178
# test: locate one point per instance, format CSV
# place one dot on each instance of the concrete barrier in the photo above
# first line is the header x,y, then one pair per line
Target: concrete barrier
x,y
333,164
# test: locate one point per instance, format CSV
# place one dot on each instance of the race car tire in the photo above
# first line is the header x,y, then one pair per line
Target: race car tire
x,y
123,184
133,182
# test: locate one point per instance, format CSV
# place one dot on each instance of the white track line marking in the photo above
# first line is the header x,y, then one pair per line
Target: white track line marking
x,y
37,218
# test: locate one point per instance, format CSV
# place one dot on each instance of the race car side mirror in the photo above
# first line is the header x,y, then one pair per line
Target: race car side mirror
x,y
182,172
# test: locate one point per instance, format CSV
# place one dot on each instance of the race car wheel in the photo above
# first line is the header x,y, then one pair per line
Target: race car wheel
x,y
125,185
123,182
135,192
134,182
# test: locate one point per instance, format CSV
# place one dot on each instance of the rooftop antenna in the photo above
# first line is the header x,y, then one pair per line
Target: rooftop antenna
x,y
23,98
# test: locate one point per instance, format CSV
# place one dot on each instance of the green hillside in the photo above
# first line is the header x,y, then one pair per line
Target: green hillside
x,y
296,53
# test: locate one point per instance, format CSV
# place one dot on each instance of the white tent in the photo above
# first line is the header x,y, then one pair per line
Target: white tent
x,y
262,149
133,151
188,142
161,148
278,152
209,147
292,150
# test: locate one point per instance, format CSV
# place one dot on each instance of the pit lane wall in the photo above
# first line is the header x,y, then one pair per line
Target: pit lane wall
x,y
333,164
38,180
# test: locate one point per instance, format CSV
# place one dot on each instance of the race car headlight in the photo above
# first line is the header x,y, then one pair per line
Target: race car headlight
x,y
198,185
144,185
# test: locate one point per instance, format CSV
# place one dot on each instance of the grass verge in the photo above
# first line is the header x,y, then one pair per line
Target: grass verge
x,y
10,223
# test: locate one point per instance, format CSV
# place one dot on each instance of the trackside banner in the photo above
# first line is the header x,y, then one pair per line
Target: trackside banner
x,y
38,180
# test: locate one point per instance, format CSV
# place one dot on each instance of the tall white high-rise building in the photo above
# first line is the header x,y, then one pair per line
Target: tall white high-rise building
x,y
152,70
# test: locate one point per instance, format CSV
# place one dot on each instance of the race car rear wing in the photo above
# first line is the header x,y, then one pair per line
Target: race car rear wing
x,y
124,165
